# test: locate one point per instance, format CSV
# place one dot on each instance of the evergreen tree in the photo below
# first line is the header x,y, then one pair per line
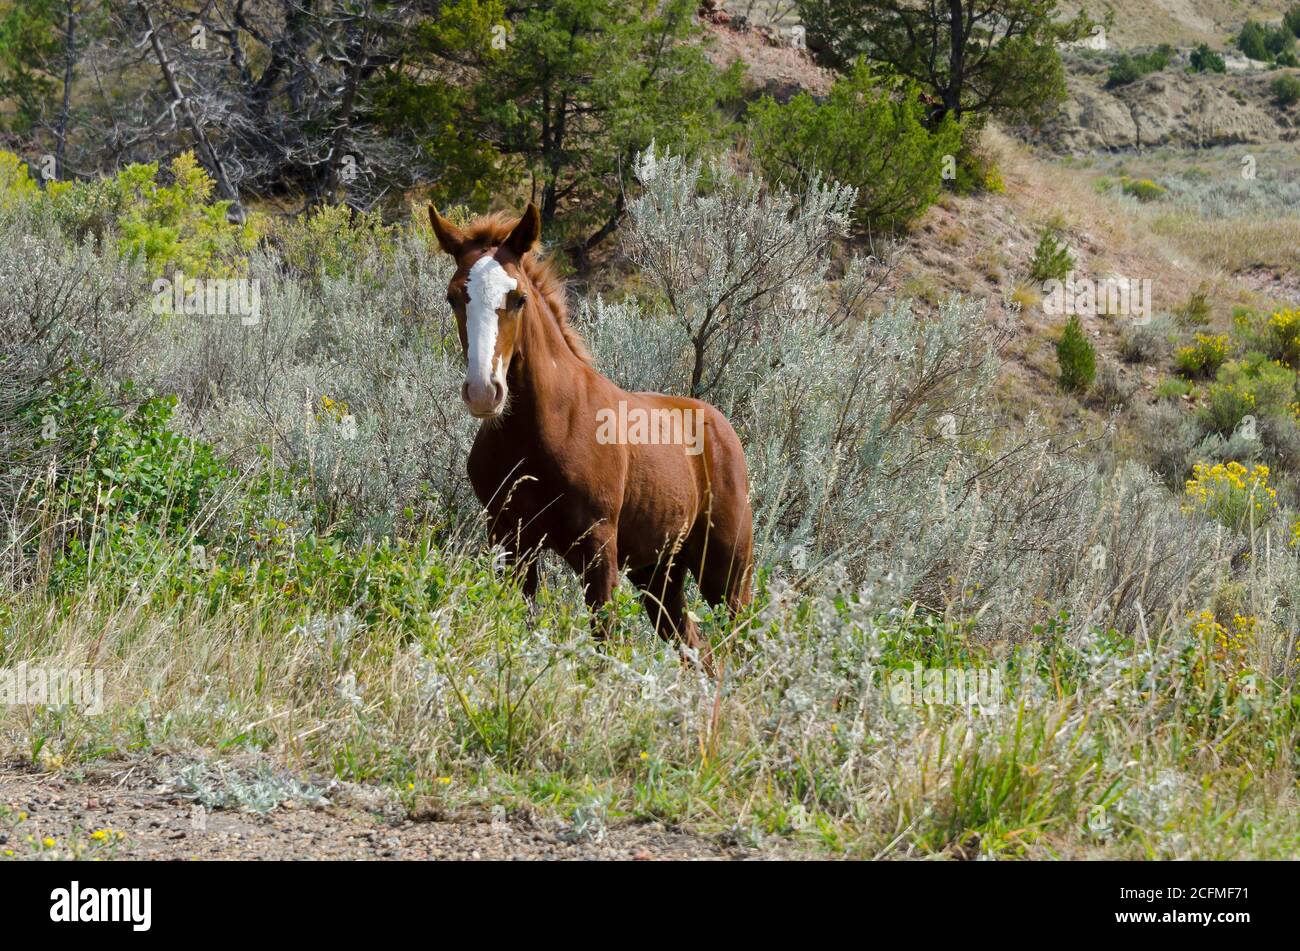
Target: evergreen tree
x,y
973,57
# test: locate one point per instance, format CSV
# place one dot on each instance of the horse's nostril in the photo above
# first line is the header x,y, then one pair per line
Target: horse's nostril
x,y
464,391
498,391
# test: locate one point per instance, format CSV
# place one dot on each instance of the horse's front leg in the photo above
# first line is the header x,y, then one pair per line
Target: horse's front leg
x,y
509,531
595,559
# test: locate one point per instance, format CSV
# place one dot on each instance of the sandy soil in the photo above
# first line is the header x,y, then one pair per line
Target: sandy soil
x,y
779,71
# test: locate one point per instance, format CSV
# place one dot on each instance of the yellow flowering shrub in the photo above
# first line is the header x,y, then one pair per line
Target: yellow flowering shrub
x,y
16,184
333,240
1143,189
1204,357
332,408
1284,336
1253,386
1230,643
1231,494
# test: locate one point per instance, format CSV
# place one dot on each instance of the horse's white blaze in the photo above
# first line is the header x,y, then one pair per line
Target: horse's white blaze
x,y
488,286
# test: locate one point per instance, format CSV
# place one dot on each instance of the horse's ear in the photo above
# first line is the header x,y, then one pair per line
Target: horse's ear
x,y
450,238
526,233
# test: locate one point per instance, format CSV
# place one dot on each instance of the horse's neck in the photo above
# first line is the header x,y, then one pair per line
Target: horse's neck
x,y
546,371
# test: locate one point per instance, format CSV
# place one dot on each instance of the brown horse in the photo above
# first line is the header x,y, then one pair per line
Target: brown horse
x,y
655,485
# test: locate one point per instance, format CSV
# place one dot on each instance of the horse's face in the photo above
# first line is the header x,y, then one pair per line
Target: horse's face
x,y
487,295
488,302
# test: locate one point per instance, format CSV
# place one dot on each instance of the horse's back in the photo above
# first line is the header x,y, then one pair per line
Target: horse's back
x,y
690,483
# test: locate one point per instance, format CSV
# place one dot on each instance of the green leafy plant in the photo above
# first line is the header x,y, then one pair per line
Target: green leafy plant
x,y
1052,259
1251,41
1279,40
1076,356
1206,60
1133,66
172,226
1250,386
1003,62
16,184
1196,311
1292,20
125,476
1263,42
1286,90
30,41
977,172
1172,388
334,240
578,89
862,135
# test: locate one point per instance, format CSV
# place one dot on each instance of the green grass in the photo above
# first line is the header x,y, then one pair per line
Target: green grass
x,y
482,700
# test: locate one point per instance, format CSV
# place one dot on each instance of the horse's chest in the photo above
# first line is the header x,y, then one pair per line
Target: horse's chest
x,y
509,476
490,465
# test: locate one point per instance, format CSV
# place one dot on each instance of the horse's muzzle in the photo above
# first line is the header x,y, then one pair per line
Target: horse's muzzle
x,y
484,402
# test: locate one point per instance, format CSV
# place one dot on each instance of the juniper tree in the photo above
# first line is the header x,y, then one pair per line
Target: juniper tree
x,y
863,133
1076,356
973,57
569,91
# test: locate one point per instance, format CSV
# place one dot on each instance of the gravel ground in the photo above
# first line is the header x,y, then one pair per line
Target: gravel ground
x,y
158,824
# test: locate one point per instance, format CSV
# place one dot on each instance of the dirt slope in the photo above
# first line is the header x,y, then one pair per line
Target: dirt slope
x,y
1181,22
1173,108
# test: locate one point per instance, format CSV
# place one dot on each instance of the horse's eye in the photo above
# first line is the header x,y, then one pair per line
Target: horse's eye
x,y
451,300
521,301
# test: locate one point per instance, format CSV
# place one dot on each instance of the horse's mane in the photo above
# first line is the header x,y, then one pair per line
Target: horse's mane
x,y
493,229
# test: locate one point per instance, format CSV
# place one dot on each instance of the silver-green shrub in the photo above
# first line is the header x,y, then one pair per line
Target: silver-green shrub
x,y
870,432
378,343
64,305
